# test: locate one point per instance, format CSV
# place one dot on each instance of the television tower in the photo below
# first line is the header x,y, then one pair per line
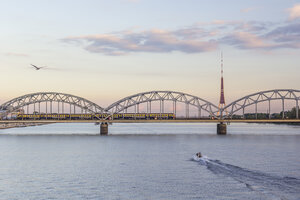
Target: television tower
x,y
222,104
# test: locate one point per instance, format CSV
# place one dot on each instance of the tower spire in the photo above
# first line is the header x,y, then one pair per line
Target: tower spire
x,y
221,63
222,104
222,97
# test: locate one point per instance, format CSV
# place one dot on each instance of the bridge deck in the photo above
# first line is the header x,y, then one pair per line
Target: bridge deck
x,y
158,121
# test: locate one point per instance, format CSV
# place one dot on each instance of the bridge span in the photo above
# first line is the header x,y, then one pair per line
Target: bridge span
x,y
286,121
54,103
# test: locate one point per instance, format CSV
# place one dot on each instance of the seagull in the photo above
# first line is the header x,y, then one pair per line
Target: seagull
x,y
36,68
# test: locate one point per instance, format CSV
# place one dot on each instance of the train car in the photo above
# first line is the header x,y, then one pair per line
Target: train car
x,y
42,116
144,116
118,116
27,116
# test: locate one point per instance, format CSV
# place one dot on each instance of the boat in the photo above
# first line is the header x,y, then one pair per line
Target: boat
x,y
201,158
199,155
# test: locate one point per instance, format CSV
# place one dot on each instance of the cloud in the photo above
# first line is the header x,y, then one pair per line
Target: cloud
x,y
246,10
197,38
187,41
244,40
253,26
290,32
287,36
294,12
284,36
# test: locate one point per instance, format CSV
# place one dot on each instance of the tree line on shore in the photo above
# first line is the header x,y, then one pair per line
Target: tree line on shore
x,y
290,114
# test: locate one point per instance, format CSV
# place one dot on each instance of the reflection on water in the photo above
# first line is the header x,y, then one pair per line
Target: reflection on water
x,y
156,128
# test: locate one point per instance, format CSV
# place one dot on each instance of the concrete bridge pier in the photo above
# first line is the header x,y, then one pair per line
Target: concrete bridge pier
x,y
104,128
221,129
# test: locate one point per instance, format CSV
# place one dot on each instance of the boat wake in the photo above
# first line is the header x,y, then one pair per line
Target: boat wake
x,y
267,185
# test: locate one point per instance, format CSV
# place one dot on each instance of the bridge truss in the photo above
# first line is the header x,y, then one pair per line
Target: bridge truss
x,y
148,98
162,96
264,96
36,99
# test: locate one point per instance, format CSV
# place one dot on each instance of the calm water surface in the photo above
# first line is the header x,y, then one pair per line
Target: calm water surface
x,y
150,161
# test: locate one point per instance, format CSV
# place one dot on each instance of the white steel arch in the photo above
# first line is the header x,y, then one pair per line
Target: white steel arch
x,y
28,99
269,95
148,97
161,96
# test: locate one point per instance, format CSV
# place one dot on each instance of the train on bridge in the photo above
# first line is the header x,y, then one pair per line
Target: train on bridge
x,y
94,116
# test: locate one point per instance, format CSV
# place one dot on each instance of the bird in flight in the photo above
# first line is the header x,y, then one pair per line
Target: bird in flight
x,y
36,68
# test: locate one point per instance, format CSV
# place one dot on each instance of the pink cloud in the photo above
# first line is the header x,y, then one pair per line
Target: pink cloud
x,y
246,10
194,39
244,40
294,12
219,22
155,40
249,40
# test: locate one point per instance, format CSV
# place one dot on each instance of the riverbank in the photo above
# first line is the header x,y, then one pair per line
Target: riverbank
x,y
19,125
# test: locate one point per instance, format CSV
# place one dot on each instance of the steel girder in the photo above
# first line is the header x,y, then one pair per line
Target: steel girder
x,y
145,97
33,98
269,95
278,94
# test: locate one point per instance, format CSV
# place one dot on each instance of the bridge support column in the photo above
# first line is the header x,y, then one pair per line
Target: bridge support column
x,y
221,129
297,109
104,128
283,109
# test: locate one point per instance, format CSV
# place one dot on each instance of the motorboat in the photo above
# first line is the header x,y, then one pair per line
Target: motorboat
x,y
201,158
199,155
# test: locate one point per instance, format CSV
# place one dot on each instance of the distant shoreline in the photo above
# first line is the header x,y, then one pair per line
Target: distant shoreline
x,y
19,125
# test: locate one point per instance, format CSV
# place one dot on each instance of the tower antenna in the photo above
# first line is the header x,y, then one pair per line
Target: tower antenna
x,y
222,103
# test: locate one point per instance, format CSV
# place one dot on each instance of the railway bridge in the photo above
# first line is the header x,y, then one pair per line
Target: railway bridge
x,y
148,107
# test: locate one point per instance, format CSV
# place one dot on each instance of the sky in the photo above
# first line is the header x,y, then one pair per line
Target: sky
x,y
107,50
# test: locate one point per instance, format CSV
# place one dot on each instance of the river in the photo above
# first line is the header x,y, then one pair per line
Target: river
x,y
150,161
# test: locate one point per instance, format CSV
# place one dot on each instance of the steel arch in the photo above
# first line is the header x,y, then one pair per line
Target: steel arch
x,y
269,95
145,97
33,98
